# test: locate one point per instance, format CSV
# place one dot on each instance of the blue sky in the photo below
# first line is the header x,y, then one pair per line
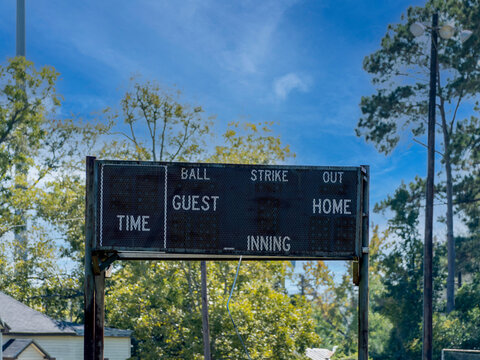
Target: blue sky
x,y
298,63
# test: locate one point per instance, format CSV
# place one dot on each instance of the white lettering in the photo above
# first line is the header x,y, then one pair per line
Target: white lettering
x,y
346,206
206,204
332,206
332,177
195,202
286,243
120,218
215,198
276,243
264,243
255,241
205,177
194,174
337,206
326,210
135,223
268,243
145,223
184,204
176,202
269,175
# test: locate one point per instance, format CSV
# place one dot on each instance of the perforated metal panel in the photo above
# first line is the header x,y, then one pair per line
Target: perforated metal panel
x,y
228,210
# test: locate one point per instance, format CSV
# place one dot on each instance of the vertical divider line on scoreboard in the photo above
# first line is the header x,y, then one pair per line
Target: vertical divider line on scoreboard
x,y
101,205
165,209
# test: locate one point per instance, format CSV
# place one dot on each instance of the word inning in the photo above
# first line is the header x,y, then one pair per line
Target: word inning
x,y
268,243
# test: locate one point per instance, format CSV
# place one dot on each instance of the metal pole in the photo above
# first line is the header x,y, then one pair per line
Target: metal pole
x,y
363,271
20,44
428,246
99,314
206,326
21,168
89,293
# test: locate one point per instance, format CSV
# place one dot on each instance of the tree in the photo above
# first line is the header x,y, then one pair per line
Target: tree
x,y
400,74
36,150
160,301
334,302
162,298
157,126
400,265
24,95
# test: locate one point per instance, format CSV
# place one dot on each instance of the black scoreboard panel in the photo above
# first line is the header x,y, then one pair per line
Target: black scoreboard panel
x,y
219,210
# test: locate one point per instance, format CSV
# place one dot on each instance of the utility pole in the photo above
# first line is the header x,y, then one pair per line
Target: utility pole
x,y
21,168
428,246
20,43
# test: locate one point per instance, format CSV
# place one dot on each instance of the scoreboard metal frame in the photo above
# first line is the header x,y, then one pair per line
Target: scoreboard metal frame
x,y
200,211
124,221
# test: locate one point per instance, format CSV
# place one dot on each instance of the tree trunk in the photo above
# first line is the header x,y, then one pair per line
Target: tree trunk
x,y
450,238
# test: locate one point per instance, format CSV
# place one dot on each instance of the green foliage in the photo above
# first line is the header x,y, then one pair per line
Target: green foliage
x,y
398,108
400,264
461,328
400,73
24,95
160,127
466,152
256,144
37,153
160,301
334,306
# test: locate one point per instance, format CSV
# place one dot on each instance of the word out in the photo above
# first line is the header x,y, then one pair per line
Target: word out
x,y
332,177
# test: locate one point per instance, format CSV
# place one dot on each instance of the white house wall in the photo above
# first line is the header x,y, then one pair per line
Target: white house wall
x,y
71,347
30,353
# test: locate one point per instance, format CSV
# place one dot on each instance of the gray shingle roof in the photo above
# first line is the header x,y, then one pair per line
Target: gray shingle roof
x,y
24,320
21,319
106,331
14,347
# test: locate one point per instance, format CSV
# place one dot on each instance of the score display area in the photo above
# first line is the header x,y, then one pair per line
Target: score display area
x,y
154,210
190,211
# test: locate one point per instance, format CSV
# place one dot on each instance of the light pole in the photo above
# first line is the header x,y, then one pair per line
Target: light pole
x,y
446,32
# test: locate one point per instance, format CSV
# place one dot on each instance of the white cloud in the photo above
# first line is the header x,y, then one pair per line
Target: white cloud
x,y
238,36
284,85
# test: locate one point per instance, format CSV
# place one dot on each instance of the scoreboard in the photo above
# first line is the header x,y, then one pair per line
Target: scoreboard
x,y
200,210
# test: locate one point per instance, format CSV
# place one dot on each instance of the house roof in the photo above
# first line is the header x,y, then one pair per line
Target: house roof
x,y
12,348
18,318
107,331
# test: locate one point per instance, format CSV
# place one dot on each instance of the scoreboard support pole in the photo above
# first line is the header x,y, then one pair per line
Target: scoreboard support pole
x,y
363,271
99,314
94,287
89,286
